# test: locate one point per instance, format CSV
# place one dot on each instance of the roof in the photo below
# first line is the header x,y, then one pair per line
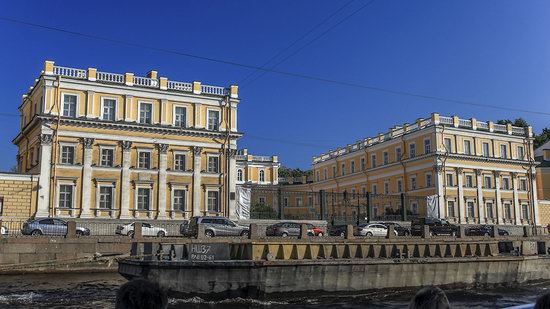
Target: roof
x,y
539,150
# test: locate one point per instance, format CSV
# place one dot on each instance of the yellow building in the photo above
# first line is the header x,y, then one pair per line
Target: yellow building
x,y
542,156
257,170
478,172
109,145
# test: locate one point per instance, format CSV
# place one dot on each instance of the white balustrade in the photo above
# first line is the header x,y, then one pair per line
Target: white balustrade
x,y
213,90
180,86
465,123
482,125
110,77
518,131
70,72
446,120
145,82
500,128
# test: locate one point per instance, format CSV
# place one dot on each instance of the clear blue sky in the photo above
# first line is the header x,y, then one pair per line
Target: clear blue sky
x,y
489,51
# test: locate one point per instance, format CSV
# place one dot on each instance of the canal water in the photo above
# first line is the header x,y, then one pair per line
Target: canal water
x,y
98,290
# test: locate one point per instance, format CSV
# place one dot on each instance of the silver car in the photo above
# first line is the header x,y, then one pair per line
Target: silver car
x,y
216,226
51,227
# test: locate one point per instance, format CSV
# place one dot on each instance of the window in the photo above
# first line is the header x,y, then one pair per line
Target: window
x,y
505,183
65,196
450,180
363,191
412,150
427,146
399,185
523,184
489,208
262,176
486,149
488,183
108,110
414,208
352,167
213,201
213,164
428,180
298,202
503,151
144,159
107,156
353,193
317,176
285,202
467,147
69,105
386,158
143,198
373,160
363,164
67,154
325,173
471,210
374,189
180,117
398,153
261,200
447,144
520,153
213,120
310,200
525,211
469,181
413,182
179,200
145,113
105,197
386,187
507,211
334,171
179,162
451,209
343,169
239,175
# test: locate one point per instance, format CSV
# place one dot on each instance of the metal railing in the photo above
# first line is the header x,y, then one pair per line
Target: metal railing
x,y
110,77
69,72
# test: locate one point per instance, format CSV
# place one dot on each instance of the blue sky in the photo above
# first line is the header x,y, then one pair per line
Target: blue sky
x,y
494,52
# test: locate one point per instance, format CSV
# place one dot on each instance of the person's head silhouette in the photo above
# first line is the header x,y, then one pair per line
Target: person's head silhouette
x,y
141,294
429,298
543,302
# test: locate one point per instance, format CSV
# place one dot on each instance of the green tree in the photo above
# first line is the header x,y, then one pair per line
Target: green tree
x,y
519,122
542,138
262,211
293,172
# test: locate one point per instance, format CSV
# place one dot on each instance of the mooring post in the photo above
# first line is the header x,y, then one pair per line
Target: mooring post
x,y
425,231
137,231
201,231
71,229
391,231
494,231
349,232
461,231
303,231
253,232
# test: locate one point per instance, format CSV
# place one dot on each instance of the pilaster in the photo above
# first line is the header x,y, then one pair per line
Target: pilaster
x,y
535,214
439,182
500,216
232,154
480,201
197,151
86,178
516,206
461,203
43,205
163,149
125,181
90,104
128,108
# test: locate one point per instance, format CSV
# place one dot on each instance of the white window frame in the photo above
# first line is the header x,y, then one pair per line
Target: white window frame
x,y
373,160
454,208
143,186
352,166
399,185
211,155
518,147
469,143
429,176
208,110
398,154
77,106
62,182
413,181
488,154
103,108
240,171
429,145
468,201
106,147
485,177
520,186
412,150
385,158
492,209
450,148
343,169
471,176
98,196
334,171
299,202
363,164
374,189
172,198
261,174
509,183
140,103
503,154
447,175
509,203
185,156
67,144
150,151
325,173
174,115
386,187
522,205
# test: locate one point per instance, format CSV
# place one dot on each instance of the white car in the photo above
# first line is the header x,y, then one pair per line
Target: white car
x,y
146,230
373,229
3,230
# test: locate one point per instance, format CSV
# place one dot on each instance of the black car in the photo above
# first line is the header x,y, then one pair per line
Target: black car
x,y
437,227
483,230
401,230
337,230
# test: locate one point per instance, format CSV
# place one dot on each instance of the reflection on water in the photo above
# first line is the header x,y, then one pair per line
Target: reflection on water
x,y
98,290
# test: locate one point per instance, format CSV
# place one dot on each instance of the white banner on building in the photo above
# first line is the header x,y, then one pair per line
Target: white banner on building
x,y
243,202
432,207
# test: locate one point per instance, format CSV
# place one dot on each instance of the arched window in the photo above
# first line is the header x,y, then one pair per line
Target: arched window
x,y
262,176
239,175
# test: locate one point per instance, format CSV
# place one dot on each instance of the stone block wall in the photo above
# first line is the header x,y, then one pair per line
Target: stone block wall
x,y
17,196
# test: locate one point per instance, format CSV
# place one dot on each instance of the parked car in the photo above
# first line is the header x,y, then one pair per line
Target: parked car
x,y
372,229
51,227
3,230
285,229
146,230
401,230
337,230
437,227
483,230
184,228
317,231
216,226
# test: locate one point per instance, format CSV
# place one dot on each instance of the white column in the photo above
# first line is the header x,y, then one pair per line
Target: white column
x,y
197,181
439,184
480,201
86,178
461,204
500,216
163,149
42,209
535,197
125,181
516,206
232,153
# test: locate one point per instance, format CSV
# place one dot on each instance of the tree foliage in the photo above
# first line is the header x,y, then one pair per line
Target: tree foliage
x,y
293,172
519,122
539,139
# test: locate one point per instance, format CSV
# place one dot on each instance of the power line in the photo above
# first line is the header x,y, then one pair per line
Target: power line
x,y
286,73
297,40
313,40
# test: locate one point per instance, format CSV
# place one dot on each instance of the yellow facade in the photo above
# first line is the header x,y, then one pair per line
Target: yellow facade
x,y
543,171
112,145
257,170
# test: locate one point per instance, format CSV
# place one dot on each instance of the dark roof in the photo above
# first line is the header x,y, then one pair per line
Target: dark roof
x,y
542,162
